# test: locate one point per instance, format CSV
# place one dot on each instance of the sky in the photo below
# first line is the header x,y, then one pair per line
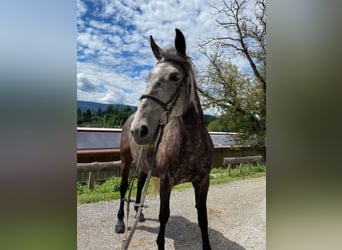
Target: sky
x,y
113,53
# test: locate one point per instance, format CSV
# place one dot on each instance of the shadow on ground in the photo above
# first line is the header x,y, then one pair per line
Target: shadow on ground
x,y
187,235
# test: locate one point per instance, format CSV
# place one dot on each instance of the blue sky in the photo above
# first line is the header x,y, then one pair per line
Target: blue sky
x,y
113,53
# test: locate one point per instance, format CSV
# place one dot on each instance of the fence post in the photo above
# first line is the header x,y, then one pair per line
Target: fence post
x,y
91,180
240,167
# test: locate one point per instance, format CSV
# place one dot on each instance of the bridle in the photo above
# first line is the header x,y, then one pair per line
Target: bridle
x,y
169,104
167,107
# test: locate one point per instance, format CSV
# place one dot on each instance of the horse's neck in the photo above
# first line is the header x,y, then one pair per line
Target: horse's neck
x,y
194,117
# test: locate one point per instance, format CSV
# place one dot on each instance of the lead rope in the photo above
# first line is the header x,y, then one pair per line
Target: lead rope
x,y
128,239
131,183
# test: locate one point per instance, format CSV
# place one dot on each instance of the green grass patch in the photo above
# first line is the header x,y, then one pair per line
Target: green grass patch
x,y
109,190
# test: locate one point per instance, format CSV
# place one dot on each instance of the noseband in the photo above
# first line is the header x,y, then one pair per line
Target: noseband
x,y
166,105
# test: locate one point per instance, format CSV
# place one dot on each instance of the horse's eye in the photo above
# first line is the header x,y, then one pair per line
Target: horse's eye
x,y
174,77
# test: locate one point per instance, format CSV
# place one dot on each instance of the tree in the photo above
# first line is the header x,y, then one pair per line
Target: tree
x,y
99,112
79,116
110,109
239,95
218,126
87,116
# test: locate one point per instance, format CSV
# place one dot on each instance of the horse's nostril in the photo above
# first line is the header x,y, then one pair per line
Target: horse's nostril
x,y
143,131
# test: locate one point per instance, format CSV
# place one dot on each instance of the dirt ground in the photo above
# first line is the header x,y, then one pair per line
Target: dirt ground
x,y
236,217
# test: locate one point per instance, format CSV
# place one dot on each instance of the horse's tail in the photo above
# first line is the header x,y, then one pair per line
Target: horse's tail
x,y
155,186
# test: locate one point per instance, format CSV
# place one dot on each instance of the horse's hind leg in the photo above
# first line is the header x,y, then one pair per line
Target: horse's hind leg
x,y
125,166
141,182
201,191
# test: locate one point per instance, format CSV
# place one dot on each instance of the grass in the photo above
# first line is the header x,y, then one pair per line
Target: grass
x,y
109,190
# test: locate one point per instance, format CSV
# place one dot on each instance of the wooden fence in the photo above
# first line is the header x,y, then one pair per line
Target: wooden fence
x,y
92,169
98,152
230,161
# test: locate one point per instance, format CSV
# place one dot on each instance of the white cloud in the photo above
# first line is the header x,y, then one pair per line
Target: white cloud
x,y
102,84
81,8
113,43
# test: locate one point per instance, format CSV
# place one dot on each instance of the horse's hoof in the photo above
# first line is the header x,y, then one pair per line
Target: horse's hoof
x,y
141,217
120,227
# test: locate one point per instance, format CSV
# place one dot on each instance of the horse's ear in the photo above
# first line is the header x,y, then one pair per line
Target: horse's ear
x,y
155,49
180,42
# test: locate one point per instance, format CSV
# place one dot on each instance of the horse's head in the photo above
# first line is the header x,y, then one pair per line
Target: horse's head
x,y
167,94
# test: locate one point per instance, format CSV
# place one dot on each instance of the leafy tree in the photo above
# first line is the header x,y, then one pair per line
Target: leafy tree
x,y
218,126
112,117
110,109
99,112
87,116
239,95
79,116
208,119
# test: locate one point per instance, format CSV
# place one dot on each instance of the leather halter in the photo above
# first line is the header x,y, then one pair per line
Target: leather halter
x,y
166,105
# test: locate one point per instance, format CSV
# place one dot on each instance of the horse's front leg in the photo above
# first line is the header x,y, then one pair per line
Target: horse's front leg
x,y
141,183
201,191
126,161
120,225
164,212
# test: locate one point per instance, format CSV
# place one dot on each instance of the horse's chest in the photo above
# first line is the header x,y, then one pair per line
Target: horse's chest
x,y
186,161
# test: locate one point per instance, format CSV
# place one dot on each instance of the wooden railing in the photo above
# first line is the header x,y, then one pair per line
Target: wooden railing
x,y
229,161
93,167
104,158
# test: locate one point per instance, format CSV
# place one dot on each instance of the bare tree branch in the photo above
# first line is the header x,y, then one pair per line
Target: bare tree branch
x,y
222,85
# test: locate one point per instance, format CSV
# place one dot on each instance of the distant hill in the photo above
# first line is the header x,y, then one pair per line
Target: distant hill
x,y
94,106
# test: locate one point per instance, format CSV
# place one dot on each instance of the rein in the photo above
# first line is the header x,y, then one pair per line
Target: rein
x,y
141,205
167,106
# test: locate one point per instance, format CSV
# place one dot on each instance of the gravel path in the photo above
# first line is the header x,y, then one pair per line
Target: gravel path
x,y
236,216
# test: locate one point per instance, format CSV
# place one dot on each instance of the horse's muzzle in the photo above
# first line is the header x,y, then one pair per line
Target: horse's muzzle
x,y
142,135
